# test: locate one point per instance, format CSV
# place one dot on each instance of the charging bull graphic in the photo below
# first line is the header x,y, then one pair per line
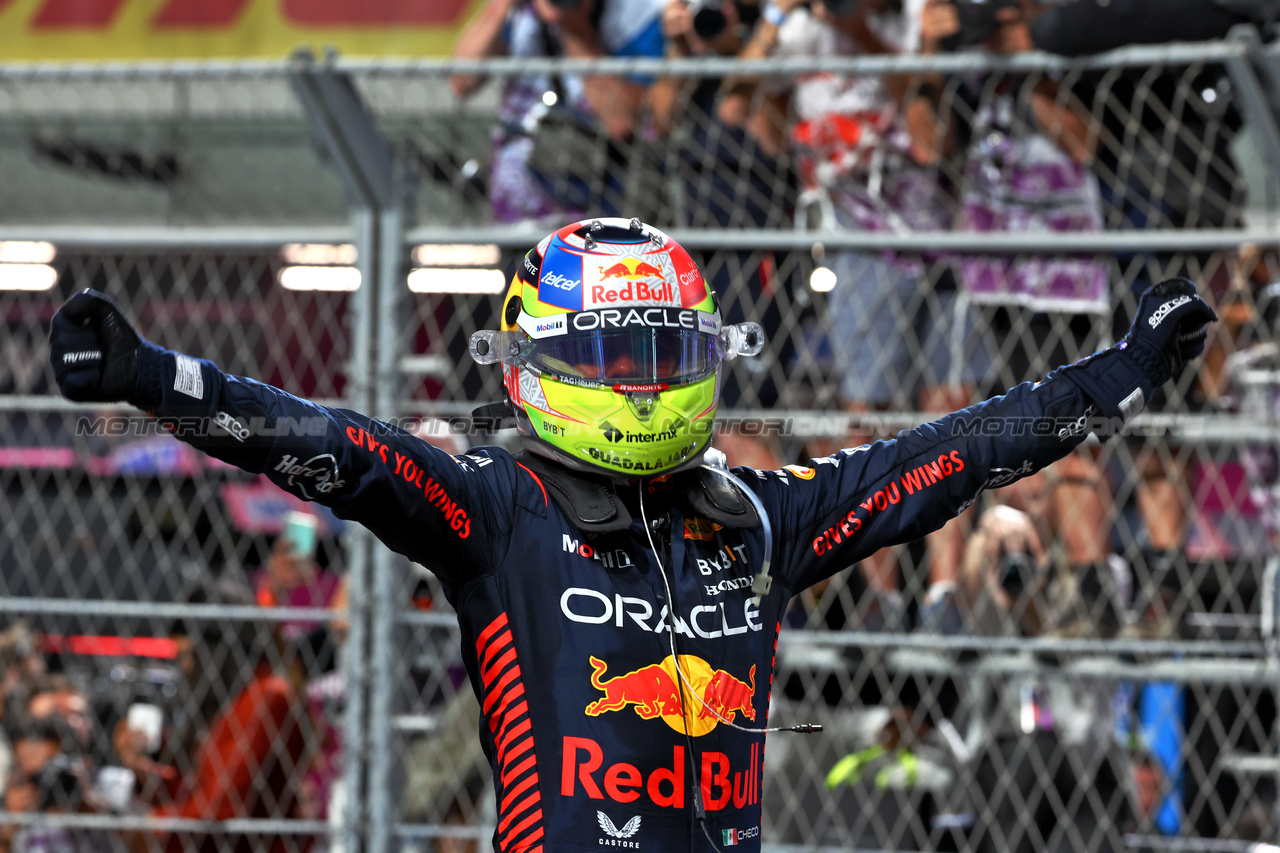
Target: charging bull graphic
x,y
654,690
631,268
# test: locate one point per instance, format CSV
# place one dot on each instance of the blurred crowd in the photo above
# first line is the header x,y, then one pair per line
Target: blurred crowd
x,y
222,717
993,151
207,722
1103,545
241,718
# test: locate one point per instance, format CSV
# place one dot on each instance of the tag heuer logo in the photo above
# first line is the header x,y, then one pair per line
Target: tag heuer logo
x,y
629,829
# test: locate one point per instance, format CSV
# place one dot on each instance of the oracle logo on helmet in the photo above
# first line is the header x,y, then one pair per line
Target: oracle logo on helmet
x,y
617,318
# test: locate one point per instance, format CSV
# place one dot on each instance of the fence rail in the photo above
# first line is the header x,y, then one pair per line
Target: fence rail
x,y
1135,689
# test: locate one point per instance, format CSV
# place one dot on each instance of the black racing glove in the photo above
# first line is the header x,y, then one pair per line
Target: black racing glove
x,y
1169,330
94,349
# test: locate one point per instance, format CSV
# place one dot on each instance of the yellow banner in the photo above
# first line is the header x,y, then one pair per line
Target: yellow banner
x,y
87,30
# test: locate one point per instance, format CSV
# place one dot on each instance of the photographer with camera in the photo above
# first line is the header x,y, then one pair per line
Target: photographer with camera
x,y
694,28
1017,581
49,776
245,737
562,141
891,313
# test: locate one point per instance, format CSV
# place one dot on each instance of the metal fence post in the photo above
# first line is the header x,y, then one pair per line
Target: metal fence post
x,y
388,595
1259,109
363,160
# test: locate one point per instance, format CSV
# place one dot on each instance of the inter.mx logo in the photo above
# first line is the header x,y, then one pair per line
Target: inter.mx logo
x,y
319,474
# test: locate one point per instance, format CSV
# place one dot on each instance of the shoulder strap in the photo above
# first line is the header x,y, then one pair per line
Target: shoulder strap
x,y
719,500
590,503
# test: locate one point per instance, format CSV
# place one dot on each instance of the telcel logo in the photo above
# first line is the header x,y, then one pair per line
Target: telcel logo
x,y
558,281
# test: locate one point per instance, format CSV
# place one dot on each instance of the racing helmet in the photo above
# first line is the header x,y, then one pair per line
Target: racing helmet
x,y
611,346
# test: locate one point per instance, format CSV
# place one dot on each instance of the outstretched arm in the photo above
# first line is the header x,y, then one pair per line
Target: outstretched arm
x,y
449,513
851,504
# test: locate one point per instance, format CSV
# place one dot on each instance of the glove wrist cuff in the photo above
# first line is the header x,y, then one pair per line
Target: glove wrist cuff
x,y
148,391
1150,360
1119,380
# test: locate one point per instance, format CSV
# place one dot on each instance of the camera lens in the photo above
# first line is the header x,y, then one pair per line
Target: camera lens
x,y
1016,573
840,8
709,21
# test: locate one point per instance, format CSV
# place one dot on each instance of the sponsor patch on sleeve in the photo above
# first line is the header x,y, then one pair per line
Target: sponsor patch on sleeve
x,y
187,380
1131,406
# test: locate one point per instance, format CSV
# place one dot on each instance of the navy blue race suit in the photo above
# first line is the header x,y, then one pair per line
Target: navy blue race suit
x,y
565,634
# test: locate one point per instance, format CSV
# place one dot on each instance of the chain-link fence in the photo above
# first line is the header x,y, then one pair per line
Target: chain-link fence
x,y
198,660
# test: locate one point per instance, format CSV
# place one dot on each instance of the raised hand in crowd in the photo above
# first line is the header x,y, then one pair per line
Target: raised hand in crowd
x,y
1013,35
939,20
614,100
482,38
573,21
131,750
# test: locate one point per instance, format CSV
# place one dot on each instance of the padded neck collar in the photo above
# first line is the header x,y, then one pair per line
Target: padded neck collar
x,y
595,506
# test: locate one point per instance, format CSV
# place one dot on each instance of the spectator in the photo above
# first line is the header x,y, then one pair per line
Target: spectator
x,y
1165,160
734,166
1071,505
1026,727
545,164
20,665
59,787
58,697
321,795
732,174
1026,144
248,734
295,577
682,101
34,783
892,319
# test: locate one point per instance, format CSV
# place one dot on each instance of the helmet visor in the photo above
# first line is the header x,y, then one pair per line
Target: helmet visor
x,y
638,355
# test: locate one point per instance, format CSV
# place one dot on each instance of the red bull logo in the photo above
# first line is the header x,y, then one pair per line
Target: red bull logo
x,y
654,691
632,280
631,269
724,783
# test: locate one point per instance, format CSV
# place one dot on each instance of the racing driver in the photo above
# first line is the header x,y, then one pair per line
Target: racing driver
x,y
620,592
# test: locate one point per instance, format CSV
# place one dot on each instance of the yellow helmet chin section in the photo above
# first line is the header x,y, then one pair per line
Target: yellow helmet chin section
x,y
624,433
